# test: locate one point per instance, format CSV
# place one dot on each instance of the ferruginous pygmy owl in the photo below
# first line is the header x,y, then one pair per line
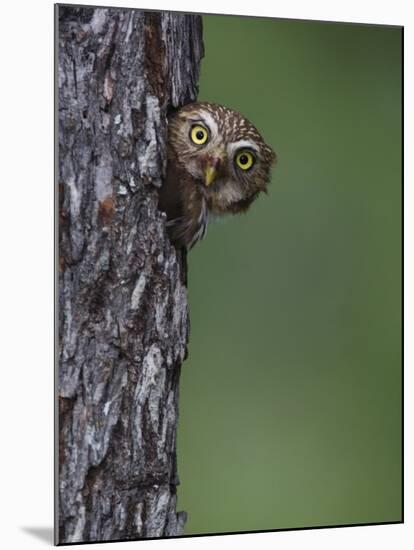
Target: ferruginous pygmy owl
x,y
218,163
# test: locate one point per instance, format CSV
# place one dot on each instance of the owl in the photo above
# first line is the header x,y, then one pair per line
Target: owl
x,y
217,164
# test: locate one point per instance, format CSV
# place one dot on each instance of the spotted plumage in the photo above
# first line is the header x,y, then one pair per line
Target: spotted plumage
x,y
218,163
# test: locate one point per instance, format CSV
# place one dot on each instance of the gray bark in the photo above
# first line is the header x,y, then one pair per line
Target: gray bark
x,y
122,311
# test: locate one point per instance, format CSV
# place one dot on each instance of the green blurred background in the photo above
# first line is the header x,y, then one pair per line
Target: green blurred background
x,y
290,410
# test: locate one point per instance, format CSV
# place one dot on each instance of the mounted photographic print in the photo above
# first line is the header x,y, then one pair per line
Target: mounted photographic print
x,y
229,313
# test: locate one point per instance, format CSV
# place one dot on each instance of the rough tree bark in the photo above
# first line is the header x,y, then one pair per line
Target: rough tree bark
x,y
123,318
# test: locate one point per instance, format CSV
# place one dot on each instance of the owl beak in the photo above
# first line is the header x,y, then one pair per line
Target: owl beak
x,y
211,170
210,175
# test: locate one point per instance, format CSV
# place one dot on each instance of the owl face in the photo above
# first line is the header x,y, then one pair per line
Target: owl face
x,y
223,153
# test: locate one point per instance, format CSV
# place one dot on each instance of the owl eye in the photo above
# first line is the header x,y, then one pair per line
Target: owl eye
x,y
245,160
199,134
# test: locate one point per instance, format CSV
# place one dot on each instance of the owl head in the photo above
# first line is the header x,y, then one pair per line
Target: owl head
x,y
222,152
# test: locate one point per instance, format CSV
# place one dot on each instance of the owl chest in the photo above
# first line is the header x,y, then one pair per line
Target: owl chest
x,y
205,208
198,218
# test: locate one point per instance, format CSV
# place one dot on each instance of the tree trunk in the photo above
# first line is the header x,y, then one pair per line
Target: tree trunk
x,y
123,316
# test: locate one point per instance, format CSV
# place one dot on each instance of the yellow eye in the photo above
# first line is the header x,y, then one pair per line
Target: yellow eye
x,y
245,160
199,134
